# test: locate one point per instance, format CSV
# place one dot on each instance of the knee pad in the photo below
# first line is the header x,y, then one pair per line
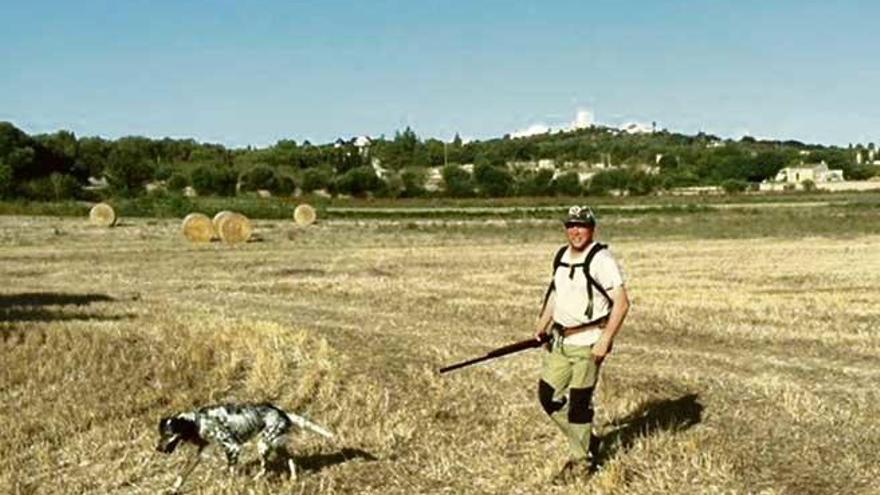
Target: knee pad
x,y
545,395
580,411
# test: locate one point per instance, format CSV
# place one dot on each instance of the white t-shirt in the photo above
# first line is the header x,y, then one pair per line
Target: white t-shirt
x,y
570,306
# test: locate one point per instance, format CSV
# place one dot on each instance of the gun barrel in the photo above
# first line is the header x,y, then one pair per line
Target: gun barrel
x,y
495,353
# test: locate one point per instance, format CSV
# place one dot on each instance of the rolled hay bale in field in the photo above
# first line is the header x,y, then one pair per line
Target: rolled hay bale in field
x,y
304,215
218,217
197,227
102,215
234,228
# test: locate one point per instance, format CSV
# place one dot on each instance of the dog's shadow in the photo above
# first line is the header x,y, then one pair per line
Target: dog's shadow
x,y
317,462
673,415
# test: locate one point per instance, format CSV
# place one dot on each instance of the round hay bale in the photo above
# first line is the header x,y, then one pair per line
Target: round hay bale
x,y
102,215
218,217
304,214
197,227
235,228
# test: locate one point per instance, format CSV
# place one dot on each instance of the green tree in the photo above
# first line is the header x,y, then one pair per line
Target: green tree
x,y
608,180
208,179
493,181
129,167
284,185
317,178
734,186
359,181
259,177
177,182
458,181
413,181
6,185
92,155
568,184
536,183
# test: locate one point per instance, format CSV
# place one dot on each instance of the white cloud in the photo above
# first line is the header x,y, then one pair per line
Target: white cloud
x,y
532,130
583,119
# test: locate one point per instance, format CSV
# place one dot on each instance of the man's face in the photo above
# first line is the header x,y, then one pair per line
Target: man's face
x,y
579,236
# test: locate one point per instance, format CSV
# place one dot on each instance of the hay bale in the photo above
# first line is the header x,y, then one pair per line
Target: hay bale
x,y
197,227
102,215
234,228
304,215
218,218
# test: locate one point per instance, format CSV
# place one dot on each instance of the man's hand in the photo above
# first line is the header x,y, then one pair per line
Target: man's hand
x,y
601,348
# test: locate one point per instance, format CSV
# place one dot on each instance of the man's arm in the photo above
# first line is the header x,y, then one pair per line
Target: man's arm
x,y
615,320
546,317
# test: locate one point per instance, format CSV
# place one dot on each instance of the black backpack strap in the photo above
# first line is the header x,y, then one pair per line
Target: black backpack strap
x,y
557,261
591,282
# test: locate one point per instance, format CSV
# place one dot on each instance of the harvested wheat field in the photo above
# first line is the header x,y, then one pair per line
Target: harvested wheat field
x,y
748,363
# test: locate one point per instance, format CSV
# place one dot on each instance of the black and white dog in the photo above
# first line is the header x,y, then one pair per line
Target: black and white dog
x,y
231,425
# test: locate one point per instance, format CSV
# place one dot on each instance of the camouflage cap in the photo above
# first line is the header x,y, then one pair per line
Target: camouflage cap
x,y
580,215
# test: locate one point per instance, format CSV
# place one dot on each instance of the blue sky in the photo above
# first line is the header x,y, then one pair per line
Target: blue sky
x,y
240,72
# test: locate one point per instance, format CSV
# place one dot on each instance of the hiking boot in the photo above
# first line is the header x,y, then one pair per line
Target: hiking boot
x,y
571,472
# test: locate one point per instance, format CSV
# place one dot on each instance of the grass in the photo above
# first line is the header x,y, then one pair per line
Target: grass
x,y
747,365
165,205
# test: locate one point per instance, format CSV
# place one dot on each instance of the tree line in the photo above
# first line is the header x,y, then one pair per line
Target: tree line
x,y
59,165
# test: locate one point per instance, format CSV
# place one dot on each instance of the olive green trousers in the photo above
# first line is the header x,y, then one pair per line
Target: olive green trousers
x,y
568,378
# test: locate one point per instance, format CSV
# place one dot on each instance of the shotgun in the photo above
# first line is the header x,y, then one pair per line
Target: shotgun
x,y
501,351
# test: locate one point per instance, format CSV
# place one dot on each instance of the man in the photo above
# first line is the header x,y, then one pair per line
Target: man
x,y
584,309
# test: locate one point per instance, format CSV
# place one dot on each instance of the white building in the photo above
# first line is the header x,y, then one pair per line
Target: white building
x,y
816,173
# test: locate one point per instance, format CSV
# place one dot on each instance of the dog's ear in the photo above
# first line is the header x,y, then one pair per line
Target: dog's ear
x,y
182,426
164,425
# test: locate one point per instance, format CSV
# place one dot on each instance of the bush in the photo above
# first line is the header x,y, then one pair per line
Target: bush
x,y
568,184
209,179
177,182
413,179
315,178
259,177
458,181
808,185
56,187
164,172
6,186
734,186
285,185
536,183
493,181
359,181
607,180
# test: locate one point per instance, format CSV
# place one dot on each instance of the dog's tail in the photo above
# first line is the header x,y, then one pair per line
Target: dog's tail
x,y
306,424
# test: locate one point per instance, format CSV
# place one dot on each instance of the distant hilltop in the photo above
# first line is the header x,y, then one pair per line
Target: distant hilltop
x,y
583,159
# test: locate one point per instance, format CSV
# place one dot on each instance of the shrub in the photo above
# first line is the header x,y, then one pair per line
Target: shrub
x,y
568,184
413,179
177,182
314,178
6,185
493,181
734,186
259,177
458,181
536,183
808,185
285,185
210,179
56,187
359,181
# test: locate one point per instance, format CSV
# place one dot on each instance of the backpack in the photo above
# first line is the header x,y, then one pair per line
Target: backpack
x,y
585,266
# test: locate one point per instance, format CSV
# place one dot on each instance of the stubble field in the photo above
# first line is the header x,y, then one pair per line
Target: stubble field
x,y
748,363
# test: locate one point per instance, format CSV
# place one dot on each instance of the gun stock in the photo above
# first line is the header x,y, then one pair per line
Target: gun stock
x,y
496,353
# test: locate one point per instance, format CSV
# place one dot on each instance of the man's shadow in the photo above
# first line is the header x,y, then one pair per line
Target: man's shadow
x,y
317,462
673,415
